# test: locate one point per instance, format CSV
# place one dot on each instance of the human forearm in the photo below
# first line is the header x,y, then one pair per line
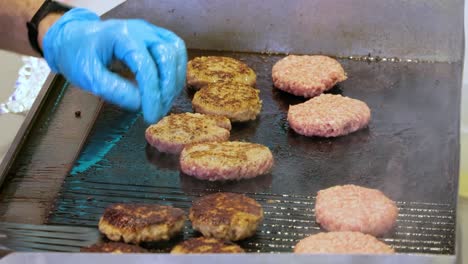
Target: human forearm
x,y
45,24
80,46
13,18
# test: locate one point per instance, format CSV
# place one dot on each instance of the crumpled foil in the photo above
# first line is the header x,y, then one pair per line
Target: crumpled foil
x,y
31,78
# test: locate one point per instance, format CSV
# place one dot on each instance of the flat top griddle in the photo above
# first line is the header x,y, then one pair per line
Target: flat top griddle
x,y
409,151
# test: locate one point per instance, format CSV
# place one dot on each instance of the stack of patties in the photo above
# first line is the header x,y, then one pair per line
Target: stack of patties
x,y
325,115
205,152
225,94
225,87
221,218
354,216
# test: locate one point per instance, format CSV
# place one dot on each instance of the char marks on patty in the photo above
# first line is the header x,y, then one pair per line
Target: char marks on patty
x,y
238,102
206,245
113,247
135,223
226,216
205,70
175,131
232,160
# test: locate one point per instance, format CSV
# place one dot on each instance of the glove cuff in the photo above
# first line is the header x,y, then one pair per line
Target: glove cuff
x,y
51,43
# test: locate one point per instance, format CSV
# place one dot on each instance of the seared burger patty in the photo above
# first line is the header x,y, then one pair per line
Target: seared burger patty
x,y
114,247
202,71
355,208
226,160
175,131
342,243
135,223
329,115
238,102
226,216
307,76
206,245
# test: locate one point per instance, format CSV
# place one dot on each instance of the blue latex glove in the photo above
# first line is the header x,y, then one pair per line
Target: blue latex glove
x,y
81,46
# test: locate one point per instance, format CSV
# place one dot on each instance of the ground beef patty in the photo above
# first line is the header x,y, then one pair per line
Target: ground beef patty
x,y
174,132
306,75
113,247
329,115
232,160
342,243
135,223
205,70
226,216
238,102
355,208
206,245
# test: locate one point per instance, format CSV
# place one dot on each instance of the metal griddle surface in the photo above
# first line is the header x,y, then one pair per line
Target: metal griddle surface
x,y
409,151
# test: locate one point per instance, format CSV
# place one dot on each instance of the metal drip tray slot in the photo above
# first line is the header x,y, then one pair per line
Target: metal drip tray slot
x,y
421,227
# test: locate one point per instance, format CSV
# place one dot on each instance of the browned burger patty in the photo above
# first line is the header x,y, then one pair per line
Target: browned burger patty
x,y
306,75
342,243
226,160
206,70
238,102
174,132
329,115
114,247
135,223
206,245
355,208
226,216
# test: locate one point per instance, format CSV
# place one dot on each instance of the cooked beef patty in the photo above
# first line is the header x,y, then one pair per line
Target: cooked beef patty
x,y
202,71
226,216
175,131
135,223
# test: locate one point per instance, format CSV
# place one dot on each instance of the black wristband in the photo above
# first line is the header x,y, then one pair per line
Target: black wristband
x,y
33,26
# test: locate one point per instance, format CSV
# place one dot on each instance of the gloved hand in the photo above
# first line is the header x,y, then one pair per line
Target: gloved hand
x,y
81,46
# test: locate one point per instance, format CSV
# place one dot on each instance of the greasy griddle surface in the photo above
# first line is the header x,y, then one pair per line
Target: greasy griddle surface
x,y
409,151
